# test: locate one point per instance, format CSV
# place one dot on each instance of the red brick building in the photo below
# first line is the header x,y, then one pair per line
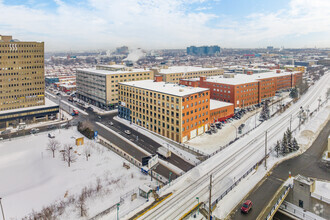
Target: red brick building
x,y
244,90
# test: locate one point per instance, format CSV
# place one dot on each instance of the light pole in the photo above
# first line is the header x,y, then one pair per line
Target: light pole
x,y
169,179
197,205
236,130
318,108
118,211
3,214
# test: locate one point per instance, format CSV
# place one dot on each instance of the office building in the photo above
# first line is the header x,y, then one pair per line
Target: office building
x,y
173,74
203,50
99,86
22,86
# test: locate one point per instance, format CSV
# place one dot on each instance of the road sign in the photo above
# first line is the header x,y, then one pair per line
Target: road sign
x,y
95,134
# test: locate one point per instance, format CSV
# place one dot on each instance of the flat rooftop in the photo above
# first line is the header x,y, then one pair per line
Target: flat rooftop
x,y
184,69
108,72
243,78
48,103
166,88
215,104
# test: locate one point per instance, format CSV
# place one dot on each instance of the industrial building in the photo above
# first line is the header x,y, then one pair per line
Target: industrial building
x,y
22,86
173,74
245,90
176,112
99,86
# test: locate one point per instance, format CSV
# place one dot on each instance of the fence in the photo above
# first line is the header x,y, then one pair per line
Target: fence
x,y
128,157
114,206
297,211
278,202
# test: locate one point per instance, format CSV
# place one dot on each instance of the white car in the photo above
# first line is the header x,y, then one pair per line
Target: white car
x,y
127,132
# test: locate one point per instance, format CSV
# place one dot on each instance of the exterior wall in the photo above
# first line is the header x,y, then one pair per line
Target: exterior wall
x,y
221,114
102,89
21,75
267,88
195,114
245,95
175,77
165,114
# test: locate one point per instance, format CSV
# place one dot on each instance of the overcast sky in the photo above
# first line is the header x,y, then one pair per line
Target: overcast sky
x,y
158,24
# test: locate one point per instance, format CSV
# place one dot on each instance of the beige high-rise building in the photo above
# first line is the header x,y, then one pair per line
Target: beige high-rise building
x,y
22,83
21,74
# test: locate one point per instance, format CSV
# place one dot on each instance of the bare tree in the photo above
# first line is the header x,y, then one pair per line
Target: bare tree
x,y
81,205
70,157
53,145
87,152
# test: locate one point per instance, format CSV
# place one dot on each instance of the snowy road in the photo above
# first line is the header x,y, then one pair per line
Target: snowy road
x,y
233,162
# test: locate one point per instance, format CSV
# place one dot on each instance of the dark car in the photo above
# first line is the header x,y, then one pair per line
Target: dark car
x,y
247,206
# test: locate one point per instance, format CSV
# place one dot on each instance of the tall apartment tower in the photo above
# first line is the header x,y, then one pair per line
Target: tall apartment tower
x,y
21,74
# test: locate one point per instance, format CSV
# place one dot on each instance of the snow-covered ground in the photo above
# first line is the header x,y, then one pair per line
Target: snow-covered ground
x,y
233,162
32,179
305,138
211,143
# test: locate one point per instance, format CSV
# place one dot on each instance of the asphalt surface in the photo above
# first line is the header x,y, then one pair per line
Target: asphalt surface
x,y
308,164
144,142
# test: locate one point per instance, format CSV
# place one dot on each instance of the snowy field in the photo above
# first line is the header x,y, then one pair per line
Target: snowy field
x,y
32,179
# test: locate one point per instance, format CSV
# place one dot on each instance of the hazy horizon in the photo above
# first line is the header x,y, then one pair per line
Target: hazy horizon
x,y
88,25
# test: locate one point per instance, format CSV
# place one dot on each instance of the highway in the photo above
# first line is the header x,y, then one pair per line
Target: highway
x,y
230,163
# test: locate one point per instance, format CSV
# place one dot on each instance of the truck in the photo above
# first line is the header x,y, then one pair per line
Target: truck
x,y
74,112
164,152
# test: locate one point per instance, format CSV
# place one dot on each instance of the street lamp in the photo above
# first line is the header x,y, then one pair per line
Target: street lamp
x,y
118,211
235,128
198,205
169,179
3,214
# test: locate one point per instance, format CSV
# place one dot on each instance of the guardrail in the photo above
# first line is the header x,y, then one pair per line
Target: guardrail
x,y
128,157
278,202
285,206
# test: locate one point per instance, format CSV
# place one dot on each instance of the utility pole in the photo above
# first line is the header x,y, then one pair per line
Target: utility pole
x,y
3,214
318,108
266,149
210,204
290,122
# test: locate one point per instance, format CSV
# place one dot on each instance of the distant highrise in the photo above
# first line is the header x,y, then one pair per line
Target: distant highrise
x,y
122,50
203,50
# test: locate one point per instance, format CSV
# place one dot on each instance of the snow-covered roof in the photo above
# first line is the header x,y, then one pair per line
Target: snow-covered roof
x,y
167,88
184,69
48,103
107,72
215,104
322,189
243,78
114,66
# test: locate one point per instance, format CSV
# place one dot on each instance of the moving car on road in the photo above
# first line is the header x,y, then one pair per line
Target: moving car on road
x,y
247,206
127,132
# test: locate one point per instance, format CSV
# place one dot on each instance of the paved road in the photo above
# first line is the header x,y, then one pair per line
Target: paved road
x,y
307,164
92,118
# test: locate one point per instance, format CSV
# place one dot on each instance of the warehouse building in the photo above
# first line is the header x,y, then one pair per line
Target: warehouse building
x,y
245,90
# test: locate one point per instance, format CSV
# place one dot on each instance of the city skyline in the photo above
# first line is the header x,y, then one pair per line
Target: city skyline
x,y
103,24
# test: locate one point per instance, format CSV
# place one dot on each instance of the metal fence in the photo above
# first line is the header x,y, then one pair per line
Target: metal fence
x,y
297,212
278,202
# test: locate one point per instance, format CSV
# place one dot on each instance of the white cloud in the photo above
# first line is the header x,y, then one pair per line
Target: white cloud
x,y
103,24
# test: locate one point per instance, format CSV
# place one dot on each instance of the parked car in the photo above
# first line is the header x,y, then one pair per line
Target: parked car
x,y
58,93
51,135
90,108
247,206
34,130
127,132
